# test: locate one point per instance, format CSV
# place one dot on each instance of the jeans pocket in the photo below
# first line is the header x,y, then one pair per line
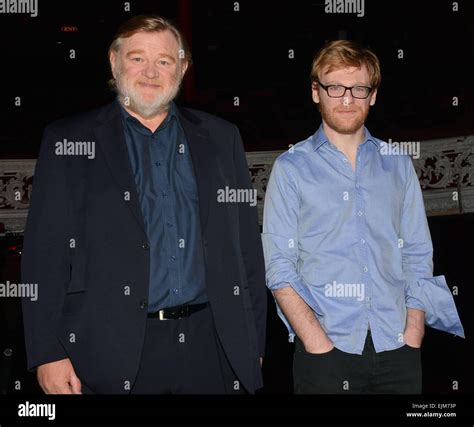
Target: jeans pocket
x,y
409,347
299,348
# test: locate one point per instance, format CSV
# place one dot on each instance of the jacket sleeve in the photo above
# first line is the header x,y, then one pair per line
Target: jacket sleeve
x,y
46,255
251,244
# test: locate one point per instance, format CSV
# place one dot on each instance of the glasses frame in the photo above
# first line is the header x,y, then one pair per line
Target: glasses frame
x,y
326,88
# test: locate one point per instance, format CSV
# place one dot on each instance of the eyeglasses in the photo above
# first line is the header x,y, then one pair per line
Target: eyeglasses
x,y
338,91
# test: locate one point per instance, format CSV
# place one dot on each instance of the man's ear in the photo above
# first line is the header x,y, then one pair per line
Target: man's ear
x,y
315,93
184,67
373,97
113,60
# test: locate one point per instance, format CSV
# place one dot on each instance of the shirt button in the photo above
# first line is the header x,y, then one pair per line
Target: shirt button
x,y
143,303
175,290
360,213
169,224
362,241
344,160
146,246
173,258
365,269
158,164
357,185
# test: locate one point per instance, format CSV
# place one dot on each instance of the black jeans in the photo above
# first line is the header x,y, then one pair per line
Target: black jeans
x,y
336,372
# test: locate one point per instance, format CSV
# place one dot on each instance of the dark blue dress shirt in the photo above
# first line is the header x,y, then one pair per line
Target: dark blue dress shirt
x,y
164,175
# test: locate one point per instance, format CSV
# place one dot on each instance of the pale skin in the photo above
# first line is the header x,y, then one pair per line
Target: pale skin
x,y
347,114
150,62
150,65
344,127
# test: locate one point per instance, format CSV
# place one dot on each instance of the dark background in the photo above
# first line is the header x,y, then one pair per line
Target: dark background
x,y
245,54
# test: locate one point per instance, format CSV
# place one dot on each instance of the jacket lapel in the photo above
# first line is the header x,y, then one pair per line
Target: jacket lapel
x,y
111,139
204,160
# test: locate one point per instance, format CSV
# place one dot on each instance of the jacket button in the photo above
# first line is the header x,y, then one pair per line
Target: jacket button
x,y
143,303
146,246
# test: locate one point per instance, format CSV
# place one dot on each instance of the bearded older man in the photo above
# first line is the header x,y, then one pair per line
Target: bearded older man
x,y
148,283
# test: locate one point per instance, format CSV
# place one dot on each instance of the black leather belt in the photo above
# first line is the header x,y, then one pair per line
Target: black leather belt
x,y
176,312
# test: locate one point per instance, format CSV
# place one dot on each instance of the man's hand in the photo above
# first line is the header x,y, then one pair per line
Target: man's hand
x,y
58,378
319,345
415,328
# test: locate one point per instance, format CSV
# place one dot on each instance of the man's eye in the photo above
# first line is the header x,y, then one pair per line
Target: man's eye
x,y
137,59
163,62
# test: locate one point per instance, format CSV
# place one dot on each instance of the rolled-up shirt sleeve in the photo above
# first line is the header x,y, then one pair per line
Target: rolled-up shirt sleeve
x,y
280,228
280,233
422,290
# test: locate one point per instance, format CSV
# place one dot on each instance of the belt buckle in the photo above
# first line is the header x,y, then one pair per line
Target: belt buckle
x,y
161,315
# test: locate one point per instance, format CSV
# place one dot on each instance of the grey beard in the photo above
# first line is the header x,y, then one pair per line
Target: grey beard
x,y
147,111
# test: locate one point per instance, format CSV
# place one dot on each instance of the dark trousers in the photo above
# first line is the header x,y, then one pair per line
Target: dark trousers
x,y
336,372
184,356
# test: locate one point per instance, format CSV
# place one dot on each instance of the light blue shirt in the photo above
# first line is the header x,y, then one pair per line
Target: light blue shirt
x,y
354,245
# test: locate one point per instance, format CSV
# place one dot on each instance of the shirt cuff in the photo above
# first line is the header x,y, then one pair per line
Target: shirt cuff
x,y
433,296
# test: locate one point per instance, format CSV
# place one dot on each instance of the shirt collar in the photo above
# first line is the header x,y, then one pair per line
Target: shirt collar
x,y
320,138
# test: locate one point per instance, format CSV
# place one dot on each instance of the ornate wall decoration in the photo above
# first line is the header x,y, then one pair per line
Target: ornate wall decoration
x,y
16,178
445,169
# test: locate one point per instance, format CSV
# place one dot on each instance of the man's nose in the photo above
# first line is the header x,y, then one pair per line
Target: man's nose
x,y
347,99
150,71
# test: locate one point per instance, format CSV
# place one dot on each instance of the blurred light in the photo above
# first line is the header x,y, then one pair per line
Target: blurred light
x,y
69,29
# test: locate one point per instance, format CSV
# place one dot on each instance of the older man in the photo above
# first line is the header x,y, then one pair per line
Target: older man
x,y
347,246
148,281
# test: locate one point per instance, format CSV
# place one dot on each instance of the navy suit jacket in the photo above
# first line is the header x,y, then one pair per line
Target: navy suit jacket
x,y
86,247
